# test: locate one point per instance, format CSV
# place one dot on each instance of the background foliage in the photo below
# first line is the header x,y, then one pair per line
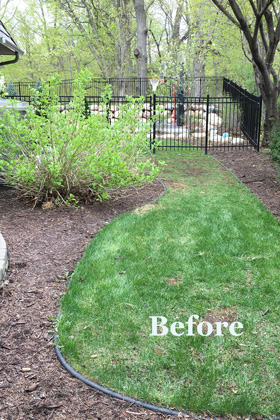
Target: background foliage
x,y
182,34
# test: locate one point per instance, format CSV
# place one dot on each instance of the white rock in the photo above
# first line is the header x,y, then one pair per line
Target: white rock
x,y
214,136
215,120
146,107
146,114
202,108
114,108
94,107
237,140
199,135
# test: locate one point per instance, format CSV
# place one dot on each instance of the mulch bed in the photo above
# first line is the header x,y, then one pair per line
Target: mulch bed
x,y
46,245
257,172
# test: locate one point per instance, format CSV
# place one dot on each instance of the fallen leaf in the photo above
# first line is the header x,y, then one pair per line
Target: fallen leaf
x,y
231,385
32,388
48,205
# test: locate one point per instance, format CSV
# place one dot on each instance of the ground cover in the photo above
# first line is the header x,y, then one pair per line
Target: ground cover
x,y
209,247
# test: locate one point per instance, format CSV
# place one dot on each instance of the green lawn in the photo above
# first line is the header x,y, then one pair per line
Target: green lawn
x,y
208,247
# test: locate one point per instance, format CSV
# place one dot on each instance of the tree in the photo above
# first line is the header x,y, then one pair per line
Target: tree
x,y
107,29
259,22
140,51
11,90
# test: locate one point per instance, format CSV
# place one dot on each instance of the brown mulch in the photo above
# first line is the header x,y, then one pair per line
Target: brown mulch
x,y
44,246
257,172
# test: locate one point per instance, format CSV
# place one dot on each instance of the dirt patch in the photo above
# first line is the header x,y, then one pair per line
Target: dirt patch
x,y
145,209
174,281
175,185
227,315
221,314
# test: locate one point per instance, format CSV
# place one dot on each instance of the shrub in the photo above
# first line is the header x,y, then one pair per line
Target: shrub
x,y
57,157
11,90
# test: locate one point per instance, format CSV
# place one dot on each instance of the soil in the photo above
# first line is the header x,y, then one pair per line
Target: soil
x,y
44,247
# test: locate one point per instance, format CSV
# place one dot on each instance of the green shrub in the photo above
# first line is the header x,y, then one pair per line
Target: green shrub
x,y
275,145
11,90
57,157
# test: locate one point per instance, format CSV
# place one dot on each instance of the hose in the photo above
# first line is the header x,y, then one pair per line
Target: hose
x,y
230,172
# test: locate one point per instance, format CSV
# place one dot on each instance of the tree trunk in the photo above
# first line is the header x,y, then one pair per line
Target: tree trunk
x,y
140,51
270,116
270,113
198,76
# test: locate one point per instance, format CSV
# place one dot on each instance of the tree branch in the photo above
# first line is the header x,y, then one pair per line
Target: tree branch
x,y
226,13
156,42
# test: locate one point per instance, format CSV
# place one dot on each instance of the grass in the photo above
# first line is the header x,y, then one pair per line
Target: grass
x,y
208,247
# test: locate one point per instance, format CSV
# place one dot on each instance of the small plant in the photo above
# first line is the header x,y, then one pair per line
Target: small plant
x,y
74,156
72,201
11,90
38,86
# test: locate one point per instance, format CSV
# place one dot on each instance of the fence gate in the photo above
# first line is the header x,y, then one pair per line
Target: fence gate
x,y
207,123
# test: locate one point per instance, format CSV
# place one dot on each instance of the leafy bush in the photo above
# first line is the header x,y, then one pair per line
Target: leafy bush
x,y
65,157
11,90
275,145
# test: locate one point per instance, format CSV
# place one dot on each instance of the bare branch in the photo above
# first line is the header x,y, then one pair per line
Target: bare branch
x,y
156,42
253,7
185,36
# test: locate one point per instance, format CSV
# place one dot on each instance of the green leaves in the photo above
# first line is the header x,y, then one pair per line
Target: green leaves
x,y
67,157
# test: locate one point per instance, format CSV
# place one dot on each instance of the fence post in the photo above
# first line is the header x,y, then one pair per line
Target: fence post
x,y
207,124
108,110
154,124
259,125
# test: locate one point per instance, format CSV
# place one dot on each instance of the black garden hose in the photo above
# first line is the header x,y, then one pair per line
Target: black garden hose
x,y
220,163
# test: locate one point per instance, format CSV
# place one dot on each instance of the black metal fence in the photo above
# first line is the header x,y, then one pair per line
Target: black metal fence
x,y
208,123
133,86
181,121
250,105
